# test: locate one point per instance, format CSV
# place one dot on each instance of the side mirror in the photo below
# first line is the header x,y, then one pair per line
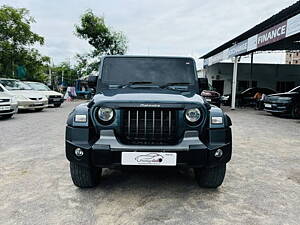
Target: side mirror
x,y
203,84
92,81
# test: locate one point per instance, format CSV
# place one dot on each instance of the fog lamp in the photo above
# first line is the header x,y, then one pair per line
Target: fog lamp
x,y
219,153
78,152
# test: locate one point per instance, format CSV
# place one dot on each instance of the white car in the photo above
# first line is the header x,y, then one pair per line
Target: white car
x,y
8,104
54,98
27,98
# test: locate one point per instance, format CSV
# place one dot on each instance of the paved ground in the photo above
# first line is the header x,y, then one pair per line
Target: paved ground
x,y
262,185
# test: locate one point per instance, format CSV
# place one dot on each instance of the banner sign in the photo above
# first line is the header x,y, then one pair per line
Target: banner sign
x,y
272,35
238,49
276,33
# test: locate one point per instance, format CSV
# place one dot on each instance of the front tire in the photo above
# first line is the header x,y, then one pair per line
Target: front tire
x,y
39,110
57,105
296,112
85,177
210,177
7,116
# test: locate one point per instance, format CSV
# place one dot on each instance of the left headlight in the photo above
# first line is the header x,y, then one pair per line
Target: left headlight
x,y
105,114
193,115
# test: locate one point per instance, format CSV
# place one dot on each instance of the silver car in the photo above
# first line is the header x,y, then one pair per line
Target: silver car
x,y
27,98
54,98
8,104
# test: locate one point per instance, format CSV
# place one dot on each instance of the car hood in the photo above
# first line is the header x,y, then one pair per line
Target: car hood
x,y
151,96
5,95
47,93
27,93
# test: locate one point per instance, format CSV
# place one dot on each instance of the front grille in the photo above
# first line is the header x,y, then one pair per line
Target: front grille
x,y
54,96
4,100
149,126
35,99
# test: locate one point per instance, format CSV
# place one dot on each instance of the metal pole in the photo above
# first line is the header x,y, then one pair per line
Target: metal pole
x,y
234,82
251,70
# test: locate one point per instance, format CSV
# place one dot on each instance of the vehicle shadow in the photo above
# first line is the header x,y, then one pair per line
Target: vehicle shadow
x,y
165,180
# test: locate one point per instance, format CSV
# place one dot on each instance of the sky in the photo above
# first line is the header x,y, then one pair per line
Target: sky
x,y
154,27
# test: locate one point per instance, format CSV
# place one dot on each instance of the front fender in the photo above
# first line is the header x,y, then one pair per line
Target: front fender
x,y
81,109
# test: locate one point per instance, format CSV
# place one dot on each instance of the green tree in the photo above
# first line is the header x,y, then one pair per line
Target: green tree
x,y
104,39
65,73
16,41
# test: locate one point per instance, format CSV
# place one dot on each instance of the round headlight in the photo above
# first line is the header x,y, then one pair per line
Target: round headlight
x,y
105,114
193,115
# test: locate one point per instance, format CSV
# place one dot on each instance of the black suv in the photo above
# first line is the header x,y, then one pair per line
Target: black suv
x,y
284,103
147,111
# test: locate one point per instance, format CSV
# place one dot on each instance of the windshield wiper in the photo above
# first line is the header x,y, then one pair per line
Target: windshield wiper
x,y
131,83
174,84
140,82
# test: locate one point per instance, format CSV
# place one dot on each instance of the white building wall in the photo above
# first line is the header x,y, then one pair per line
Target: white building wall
x,y
266,75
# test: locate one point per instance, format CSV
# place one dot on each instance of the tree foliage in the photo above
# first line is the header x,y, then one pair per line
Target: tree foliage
x,y
104,39
16,41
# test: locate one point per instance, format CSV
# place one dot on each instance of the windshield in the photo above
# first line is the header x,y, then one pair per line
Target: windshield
x,y
157,71
296,89
39,87
12,85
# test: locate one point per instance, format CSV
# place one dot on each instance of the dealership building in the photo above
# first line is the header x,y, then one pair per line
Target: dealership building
x,y
281,32
279,77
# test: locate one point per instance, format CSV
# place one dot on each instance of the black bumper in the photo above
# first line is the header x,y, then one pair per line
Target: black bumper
x,y
55,101
282,108
103,156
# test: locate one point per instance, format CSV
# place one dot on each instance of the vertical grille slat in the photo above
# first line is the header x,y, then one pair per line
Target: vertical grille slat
x,y
129,121
148,126
170,123
137,123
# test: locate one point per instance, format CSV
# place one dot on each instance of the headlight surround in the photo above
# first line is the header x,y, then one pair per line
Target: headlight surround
x,y
285,98
192,115
105,114
21,98
14,100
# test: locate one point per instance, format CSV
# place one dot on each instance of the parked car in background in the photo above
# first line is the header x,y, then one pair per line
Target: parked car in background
x,y
27,97
208,92
54,98
284,103
8,104
212,97
246,97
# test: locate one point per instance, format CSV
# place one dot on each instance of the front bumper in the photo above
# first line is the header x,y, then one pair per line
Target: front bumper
x,y
283,108
106,152
13,109
55,100
31,104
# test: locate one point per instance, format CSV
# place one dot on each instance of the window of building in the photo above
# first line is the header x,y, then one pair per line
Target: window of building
x,y
296,61
254,83
284,86
244,84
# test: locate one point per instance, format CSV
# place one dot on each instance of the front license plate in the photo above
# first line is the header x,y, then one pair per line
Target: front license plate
x,y
268,106
4,108
209,100
56,99
149,159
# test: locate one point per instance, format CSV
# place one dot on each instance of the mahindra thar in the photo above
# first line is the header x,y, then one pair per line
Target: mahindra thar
x,y
147,111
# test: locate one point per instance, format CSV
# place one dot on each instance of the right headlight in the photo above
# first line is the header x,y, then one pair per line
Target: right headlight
x,y
193,115
105,114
